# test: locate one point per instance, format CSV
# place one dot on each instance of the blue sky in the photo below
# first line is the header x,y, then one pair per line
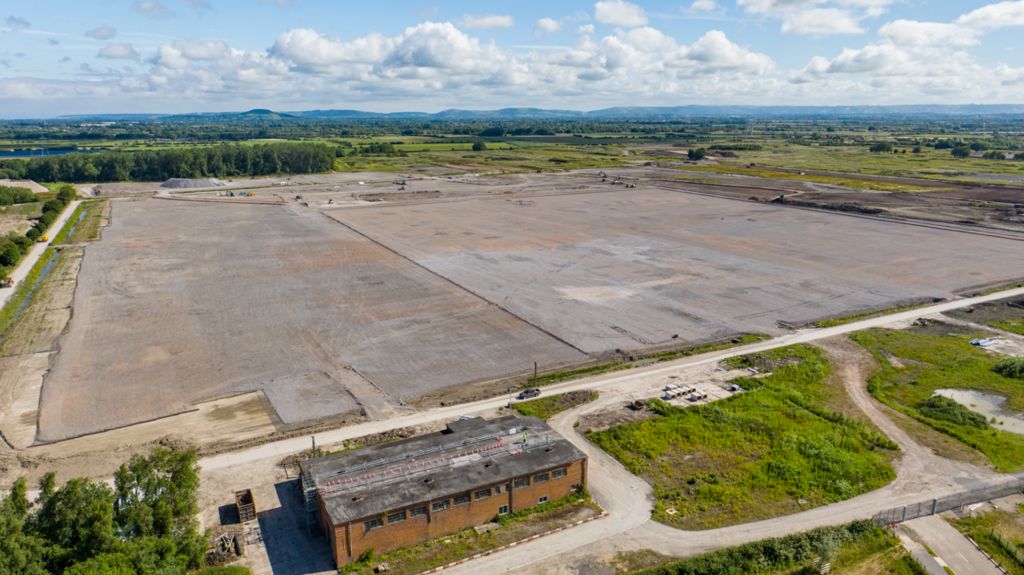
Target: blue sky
x,y
68,56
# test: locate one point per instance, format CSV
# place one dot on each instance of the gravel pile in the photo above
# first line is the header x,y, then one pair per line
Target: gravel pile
x,y
189,183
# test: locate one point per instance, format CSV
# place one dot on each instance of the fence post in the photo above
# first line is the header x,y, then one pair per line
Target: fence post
x,y
904,514
935,504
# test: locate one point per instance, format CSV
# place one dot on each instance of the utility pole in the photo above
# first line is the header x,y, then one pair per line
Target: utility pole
x,y
535,373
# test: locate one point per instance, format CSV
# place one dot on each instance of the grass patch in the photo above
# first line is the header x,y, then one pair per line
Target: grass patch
x,y
658,357
925,362
855,183
436,552
775,449
1000,534
545,407
869,314
19,299
853,548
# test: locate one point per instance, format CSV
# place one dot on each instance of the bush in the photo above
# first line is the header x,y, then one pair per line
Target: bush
x,y
946,409
1011,367
9,196
479,146
881,147
696,154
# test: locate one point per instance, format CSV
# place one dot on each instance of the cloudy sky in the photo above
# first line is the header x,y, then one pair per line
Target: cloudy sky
x,y
69,56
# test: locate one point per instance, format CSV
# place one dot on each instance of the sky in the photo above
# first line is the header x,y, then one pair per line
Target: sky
x,y
171,56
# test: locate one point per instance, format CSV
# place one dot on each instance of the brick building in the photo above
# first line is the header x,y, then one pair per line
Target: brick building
x,y
401,493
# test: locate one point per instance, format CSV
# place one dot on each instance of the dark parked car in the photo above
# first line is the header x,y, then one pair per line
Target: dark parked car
x,y
528,393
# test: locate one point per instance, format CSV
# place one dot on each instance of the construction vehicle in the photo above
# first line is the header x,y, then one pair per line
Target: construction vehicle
x,y
43,239
6,282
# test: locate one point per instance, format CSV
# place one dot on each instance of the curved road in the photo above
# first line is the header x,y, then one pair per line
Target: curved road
x,y
628,499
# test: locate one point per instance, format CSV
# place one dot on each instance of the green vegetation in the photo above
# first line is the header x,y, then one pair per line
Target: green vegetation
x,y
1011,367
10,196
225,160
843,320
942,408
777,448
545,407
429,554
146,524
658,357
14,247
858,545
230,570
914,363
1000,534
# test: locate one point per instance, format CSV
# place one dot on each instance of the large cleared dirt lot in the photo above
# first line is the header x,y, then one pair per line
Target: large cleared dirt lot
x,y
632,268
185,301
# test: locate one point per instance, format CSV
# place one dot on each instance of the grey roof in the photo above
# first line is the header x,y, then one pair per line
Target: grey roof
x,y
471,453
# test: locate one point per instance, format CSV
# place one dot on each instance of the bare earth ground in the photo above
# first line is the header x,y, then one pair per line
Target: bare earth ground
x,y
183,302
631,268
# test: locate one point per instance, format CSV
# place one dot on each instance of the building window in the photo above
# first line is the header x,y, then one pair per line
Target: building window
x,y
462,499
440,505
482,494
540,478
542,500
371,524
418,511
558,473
396,517
522,482
503,510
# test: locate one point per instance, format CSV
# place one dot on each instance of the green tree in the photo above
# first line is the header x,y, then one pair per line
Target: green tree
x,y
695,154
479,146
78,519
961,151
21,553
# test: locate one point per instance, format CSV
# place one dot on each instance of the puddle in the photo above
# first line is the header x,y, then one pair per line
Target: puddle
x,y
989,405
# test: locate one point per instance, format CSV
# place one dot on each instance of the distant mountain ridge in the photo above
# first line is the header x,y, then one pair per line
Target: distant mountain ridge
x,y
615,113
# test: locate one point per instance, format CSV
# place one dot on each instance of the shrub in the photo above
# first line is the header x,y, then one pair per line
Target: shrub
x,y
1011,367
946,409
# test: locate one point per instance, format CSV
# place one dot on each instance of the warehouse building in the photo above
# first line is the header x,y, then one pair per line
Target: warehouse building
x,y
401,493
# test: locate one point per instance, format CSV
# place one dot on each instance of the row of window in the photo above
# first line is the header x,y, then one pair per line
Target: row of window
x,y
444,504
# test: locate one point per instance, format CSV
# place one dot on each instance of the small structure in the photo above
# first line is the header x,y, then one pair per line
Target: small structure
x,y
403,492
246,505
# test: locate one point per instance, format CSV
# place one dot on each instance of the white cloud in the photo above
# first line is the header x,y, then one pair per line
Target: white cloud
x,y
151,8
485,21
914,33
104,32
307,49
118,51
821,22
200,5
704,6
546,26
619,13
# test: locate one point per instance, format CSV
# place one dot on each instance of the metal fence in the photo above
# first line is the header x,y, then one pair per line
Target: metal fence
x,y
956,501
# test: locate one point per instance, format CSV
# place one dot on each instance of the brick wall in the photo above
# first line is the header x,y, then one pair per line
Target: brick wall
x,y
455,518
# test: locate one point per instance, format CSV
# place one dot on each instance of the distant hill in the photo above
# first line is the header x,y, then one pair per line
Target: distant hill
x,y
616,113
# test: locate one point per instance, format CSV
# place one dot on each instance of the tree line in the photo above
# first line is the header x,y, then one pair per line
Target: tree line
x,y
145,524
220,161
13,247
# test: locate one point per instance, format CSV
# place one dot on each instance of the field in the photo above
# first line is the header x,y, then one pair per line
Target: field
x,y
628,269
914,363
398,296
775,449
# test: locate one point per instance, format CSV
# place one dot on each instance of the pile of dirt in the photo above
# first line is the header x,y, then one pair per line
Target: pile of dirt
x,y
192,183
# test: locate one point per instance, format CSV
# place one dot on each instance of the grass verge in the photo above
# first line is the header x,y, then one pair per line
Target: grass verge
x,y
430,554
775,449
545,407
853,548
1000,533
658,357
914,363
868,314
